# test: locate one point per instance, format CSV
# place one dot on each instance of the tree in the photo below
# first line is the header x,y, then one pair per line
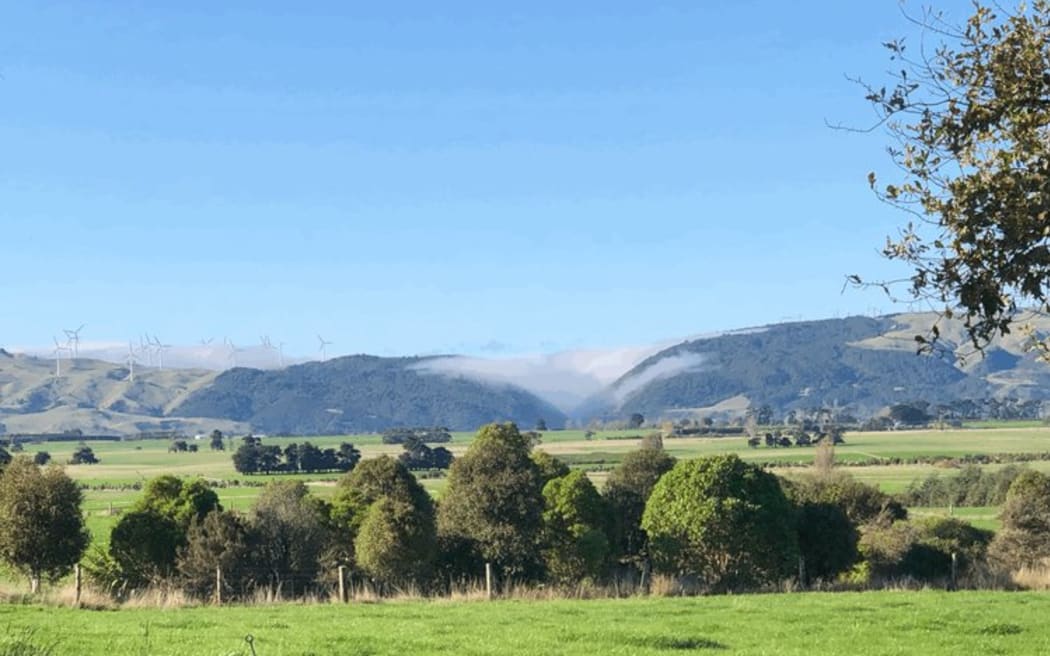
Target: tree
x,y
724,521
217,443
635,420
626,492
494,501
549,467
143,546
969,122
5,457
575,523
293,531
177,499
396,542
223,540
41,458
827,538
83,456
541,424
42,531
1024,539
145,542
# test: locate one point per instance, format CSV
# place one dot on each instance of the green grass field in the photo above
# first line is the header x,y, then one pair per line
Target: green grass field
x,y
928,623
125,463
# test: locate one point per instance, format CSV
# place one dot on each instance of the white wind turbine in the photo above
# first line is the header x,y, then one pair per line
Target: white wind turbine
x,y
73,340
324,347
268,345
58,356
131,362
146,347
232,355
160,348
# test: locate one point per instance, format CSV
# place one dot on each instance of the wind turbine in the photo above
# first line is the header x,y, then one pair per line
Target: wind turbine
x,y
160,351
268,345
146,347
232,356
73,340
131,362
206,342
280,354
324,347
58,356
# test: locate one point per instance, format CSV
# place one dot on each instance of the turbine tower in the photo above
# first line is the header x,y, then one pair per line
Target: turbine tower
x,y
73,340
58,356
232,355
131,362
268,346
145,346
324,347
160,351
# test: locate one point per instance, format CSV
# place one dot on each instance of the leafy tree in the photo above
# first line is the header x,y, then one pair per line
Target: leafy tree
x,y
5,457
293,532
179,446
541,424
371,481
145,542
494,501
418,455
862,503
722,520
177,499
1024,539
549,467
908,414
42,531
396,541
83,455
968,119
827,538
41,458
223,540
143,546
626,492
575,523
922,549
216,441
635,420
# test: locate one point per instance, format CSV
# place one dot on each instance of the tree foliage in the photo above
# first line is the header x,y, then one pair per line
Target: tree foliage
x,y
969,121
724,521
494,501
575,526
224,540
42,531
1024,539
293,531
626,492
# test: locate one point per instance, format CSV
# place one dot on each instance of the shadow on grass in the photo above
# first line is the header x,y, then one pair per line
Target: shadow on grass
x,y
676,643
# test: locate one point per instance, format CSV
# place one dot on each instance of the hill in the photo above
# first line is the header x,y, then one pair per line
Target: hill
x,y
96,397
865,363
362,393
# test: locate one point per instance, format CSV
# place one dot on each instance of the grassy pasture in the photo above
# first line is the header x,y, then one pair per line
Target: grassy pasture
x,y
929,623
124,463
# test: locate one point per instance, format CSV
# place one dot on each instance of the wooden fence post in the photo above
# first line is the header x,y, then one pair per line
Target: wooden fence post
x,y
342,584
218,586
76,585
488,580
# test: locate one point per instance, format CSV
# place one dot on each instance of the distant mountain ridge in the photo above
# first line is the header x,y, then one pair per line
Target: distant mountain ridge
x,y
862,362
859,362
363,393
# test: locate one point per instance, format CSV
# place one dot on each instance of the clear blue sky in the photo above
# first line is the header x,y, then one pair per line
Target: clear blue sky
x,y
412,177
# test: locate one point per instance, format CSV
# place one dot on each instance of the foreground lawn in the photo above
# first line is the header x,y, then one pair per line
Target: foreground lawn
x,y
927,623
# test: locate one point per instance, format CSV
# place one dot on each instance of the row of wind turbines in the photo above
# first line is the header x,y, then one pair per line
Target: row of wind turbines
x,y
153,349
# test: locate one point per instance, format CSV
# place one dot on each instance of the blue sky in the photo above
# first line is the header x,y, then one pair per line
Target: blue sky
x,y
418,177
